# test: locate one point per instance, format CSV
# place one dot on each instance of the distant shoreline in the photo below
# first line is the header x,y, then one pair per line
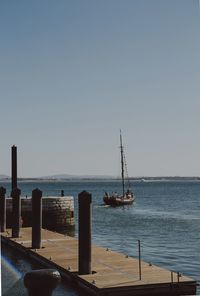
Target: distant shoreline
x,y
139,179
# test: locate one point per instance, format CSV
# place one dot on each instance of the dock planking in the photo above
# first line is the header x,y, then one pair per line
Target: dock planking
x,y
113,273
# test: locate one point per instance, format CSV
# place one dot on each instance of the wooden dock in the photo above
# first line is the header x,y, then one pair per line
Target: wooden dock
x,y
112,273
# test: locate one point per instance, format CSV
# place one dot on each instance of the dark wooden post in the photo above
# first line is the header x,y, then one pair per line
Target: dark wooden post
x,y
16,212
139,261
41,282
14,166
85,200
36,218
3,209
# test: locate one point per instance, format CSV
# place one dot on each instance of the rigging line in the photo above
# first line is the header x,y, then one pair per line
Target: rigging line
x,y
122,163
126,169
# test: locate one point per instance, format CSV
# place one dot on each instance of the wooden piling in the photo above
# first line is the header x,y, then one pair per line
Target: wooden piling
x,y
139,260
85,200
16,211
14,166
2,209
36,218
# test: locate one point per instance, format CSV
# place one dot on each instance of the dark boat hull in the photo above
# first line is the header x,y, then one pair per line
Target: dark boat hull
x,y
118,201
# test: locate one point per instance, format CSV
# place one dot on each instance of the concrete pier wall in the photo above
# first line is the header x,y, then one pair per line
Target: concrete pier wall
x,y
57,212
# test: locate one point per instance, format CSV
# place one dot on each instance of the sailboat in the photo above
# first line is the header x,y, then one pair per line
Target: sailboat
x,y
127,197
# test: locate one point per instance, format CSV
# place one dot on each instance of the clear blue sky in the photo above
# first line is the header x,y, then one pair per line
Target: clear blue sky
x,y
74,72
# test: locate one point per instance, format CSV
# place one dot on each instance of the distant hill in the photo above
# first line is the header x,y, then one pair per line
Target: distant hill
x,y
60,177
3,177
167,178
68,176
104,177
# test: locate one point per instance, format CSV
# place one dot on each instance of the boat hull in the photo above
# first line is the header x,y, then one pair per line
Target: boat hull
x,y
118,201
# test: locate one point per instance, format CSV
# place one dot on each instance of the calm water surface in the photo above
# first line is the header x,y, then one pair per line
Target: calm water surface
x,y
165,218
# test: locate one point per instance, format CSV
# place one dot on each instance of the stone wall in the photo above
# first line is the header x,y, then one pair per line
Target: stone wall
x,y
57,213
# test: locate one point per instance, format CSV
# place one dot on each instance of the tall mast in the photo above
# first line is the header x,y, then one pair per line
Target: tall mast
x,y
122,163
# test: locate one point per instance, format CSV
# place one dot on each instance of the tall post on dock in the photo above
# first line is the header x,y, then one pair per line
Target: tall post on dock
x,y
14,166
85,229
2,209
139,261
36,218
16,211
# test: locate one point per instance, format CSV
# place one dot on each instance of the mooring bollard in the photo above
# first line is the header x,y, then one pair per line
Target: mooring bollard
x,y
16,212
3,209
85,200
14,166
41,282
36,218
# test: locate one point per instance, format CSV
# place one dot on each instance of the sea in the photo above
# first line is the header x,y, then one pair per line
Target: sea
x,y
165,218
